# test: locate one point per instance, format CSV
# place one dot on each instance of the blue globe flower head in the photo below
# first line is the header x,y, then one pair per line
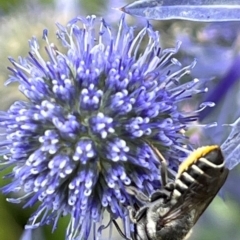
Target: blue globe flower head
x,y
91,118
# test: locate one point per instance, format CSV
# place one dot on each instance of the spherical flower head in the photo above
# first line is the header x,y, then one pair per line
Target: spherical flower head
x,y
91,119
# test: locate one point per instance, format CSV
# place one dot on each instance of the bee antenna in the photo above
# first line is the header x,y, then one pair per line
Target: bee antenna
x,y
120,230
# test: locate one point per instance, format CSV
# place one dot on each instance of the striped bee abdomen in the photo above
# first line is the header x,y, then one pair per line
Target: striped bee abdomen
x,y
200,168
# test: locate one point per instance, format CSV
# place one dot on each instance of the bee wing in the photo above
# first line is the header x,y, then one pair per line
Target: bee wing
x,y
196,198
231,147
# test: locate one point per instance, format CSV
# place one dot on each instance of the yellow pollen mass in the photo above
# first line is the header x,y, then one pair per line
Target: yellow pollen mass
x,y
194,157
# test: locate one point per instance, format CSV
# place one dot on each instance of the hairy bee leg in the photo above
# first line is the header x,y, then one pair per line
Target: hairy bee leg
x,y
161,193
137,193
134,215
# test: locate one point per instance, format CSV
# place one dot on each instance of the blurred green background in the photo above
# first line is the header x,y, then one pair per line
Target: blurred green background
x,y
20,20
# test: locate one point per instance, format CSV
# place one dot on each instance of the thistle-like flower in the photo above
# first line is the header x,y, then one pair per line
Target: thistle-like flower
x,y
91,117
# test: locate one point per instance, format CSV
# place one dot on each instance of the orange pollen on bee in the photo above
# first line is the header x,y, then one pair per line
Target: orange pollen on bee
x,y
194,157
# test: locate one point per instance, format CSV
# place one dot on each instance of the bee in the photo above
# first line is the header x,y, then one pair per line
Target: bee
x,y
171,212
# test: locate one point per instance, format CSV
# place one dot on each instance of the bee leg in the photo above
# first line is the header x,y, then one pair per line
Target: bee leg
x,y
163,193
170,186
138,194
134,215
164,172
163,168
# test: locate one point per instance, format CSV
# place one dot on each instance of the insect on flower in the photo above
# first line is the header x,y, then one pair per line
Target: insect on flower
x,y
91,112
171,212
